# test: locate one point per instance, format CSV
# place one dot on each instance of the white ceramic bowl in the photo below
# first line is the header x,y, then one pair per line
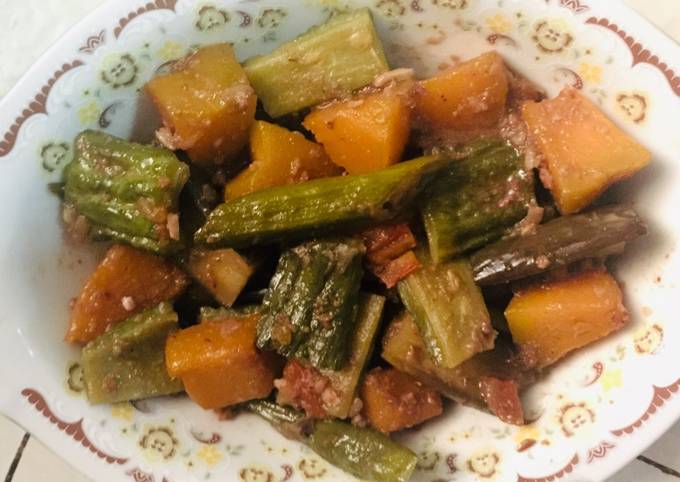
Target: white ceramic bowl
x,y
593,414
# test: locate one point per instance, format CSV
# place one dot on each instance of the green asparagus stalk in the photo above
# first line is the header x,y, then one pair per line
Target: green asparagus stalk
x,y
313,68
128,362
449,310
558,243
362,452
318,207
128,192
476,201
345,382
403,348
310,309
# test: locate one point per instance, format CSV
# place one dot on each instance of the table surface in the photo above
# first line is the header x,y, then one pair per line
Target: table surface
x,y
26,34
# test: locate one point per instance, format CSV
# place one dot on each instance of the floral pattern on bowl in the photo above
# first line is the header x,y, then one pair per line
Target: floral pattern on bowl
x,y
591,414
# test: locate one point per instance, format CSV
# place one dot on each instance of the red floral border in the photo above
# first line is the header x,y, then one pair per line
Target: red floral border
x,y
72,429
659,399
37,106
149,7
640,54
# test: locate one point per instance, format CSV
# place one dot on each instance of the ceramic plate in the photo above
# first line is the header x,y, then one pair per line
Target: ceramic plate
x,y
589,417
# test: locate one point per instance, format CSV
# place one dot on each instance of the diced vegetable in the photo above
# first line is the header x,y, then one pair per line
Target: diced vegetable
x,y
319,207
364,453
126,282
394,400
363,134
551,319
207,313
128,192
502,398
219,363
127,362
223,272
389,255
345,382
279,157
471,96
557,243
583,151
331,393
477,201
326,62
310,310
449,310
404,349
206,104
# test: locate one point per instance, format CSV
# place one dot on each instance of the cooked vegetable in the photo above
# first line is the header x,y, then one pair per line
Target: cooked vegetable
x,y
394,400
223,272
274,413
126,282
403,348
128,192
558,243
364,453
389,255
583,151
363,134
326,62
551,319
207,313
310,309
219,363
206,104
333,393
345,382
127,362
318,207
502,398
279,157
449,310
476,201
471,96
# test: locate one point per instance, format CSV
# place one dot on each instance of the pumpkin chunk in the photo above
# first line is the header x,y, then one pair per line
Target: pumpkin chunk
x,y
280,157
206,104
223,272
219,364
471,96
394,400
551,319
583,151
363,134
126,282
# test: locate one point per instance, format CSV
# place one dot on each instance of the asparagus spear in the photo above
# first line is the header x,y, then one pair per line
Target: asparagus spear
x,y
128,362
449,310
318,207
129,192
364,453
310,309
313,68
557,243
476,201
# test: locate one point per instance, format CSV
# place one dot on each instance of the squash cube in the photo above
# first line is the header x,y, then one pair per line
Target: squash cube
x,y
583,151
206,104
280,157
551,319
126,282
471,96
223,272
363,134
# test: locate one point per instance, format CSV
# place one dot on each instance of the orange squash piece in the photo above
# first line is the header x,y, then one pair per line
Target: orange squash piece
x,y
394,400
364,134
206,104
219,364
470,96
280,157
549,320
127,281
583,151
223,272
